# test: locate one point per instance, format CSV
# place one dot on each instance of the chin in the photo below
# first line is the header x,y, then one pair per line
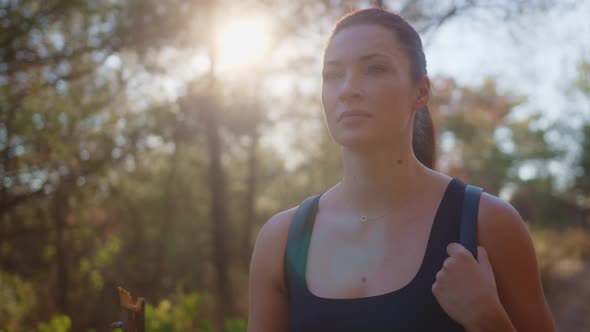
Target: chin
x,y
357,140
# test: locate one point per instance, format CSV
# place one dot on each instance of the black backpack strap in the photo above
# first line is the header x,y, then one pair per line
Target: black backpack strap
x,y
468,237
298,241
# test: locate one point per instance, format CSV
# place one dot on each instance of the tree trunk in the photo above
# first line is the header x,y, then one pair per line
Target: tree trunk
x,y
219,218
250,209
168,219
60,206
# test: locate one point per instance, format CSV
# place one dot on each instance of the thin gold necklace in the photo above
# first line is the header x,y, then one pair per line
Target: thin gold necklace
x,y
364,219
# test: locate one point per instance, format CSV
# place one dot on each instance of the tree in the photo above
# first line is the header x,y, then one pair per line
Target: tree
x,y
106,183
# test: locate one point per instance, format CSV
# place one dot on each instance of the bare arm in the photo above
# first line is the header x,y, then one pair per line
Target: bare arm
x,y
511,253
268,307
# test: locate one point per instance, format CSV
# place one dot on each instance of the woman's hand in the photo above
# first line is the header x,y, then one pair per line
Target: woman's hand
x,y
466,289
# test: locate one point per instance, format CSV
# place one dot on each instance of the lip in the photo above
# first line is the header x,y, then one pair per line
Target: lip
x,y
353,113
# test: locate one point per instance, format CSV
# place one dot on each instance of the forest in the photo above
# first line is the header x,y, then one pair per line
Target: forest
x,y
144,143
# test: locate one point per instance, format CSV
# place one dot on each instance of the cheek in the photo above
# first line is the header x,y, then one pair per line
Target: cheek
x,y
392,96
388,89
328,99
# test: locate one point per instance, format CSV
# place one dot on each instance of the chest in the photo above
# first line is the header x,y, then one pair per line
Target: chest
x,y
360,260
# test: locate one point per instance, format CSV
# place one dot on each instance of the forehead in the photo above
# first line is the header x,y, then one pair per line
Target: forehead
x,y
352,43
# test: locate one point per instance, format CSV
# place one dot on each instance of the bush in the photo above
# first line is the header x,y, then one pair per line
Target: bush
x,y
58,323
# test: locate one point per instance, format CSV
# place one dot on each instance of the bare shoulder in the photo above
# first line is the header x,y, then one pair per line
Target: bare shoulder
x,y
498,218
502,231
277,225
504,235
507,241
268,303
271,243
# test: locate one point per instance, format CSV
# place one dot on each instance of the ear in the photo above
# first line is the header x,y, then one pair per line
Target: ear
x,y
423,93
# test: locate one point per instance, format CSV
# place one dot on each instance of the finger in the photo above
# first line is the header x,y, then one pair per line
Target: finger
x,y
456,248
447,264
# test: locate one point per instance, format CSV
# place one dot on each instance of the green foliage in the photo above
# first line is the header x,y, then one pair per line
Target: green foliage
x,y
17,299
184,313
56,324
235,325
539,203
488,146
90,268
582,84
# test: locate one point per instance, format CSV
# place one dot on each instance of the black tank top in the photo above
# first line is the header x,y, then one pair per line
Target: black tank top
x,y
411,308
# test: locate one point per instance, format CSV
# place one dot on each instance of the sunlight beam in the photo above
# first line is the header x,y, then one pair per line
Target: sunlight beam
x,y
242,42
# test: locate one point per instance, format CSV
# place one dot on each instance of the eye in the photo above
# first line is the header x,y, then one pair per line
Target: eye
x,y
331,74
375,69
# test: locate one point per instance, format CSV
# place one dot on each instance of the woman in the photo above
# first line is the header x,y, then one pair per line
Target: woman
x,y
380,252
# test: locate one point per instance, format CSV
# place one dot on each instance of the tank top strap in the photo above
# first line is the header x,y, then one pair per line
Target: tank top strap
x,y
298,244
446,227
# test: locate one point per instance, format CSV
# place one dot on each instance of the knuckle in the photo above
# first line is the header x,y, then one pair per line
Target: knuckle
x,y
447,263
463,255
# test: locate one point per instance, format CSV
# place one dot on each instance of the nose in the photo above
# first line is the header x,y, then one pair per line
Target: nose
x,y
350,88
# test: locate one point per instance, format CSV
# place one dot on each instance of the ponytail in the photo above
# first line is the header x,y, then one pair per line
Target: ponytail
x,y
423,138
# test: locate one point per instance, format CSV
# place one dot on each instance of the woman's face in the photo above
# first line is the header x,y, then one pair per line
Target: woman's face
x,y
368,93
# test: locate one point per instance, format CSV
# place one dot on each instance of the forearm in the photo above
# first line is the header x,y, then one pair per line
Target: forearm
x,y
497,320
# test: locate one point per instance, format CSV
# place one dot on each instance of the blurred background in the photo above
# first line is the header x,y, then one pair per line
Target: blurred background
x,y
143,143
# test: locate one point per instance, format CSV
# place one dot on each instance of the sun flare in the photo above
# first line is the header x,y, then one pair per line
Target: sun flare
x,y
242,42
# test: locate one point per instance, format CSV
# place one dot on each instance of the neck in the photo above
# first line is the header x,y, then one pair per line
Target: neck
x,y
381,179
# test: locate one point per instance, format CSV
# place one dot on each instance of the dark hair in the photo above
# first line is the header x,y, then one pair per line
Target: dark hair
x,y
423,136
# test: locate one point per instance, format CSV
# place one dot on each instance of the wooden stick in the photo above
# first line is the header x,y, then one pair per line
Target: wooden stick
x,y
134,313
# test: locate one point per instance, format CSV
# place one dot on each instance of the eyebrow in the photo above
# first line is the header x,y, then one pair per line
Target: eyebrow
x,y
362,58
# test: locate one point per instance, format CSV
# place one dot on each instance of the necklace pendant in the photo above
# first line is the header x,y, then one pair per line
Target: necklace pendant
x,y
363,219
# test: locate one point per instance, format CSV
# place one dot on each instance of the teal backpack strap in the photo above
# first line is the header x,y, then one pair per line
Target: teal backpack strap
x,y
298,241
468,236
